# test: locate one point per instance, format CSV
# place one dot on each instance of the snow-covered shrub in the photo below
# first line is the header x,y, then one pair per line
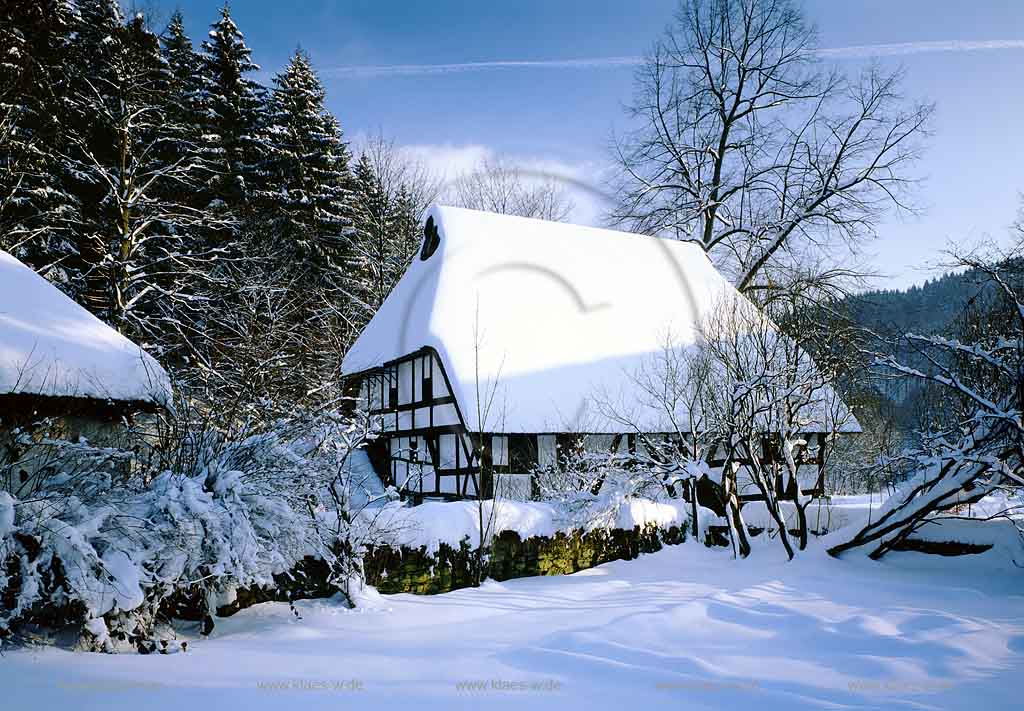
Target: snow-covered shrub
x,y
591,489
105,555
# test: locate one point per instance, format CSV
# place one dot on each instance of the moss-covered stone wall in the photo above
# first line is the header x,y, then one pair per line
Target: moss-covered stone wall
x,y
411,570
415,570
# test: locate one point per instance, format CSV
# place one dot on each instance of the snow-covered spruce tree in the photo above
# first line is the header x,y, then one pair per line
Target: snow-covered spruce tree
x,y
182,59
212,241
184,111
406,229
235,115
309,196
302,228
39,218
374,256
981,450
389,233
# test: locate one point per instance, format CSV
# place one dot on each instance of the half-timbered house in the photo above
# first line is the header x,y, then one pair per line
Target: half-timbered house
x,y
495,342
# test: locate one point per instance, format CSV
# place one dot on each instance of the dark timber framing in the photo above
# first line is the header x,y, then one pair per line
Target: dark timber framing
x,y
426,450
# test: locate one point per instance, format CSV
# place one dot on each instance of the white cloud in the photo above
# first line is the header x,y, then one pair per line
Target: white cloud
x,y
583,180
448,161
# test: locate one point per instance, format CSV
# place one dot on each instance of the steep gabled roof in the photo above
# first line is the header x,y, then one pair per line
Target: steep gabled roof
x,y
544,314
51,346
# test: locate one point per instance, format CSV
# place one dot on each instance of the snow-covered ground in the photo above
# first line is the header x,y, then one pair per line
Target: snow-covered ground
x,y
683,628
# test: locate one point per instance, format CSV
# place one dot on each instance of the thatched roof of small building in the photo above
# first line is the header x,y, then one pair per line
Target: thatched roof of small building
x,y
51,347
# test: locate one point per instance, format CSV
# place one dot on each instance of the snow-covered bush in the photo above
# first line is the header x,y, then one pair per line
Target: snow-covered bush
x,y
233,513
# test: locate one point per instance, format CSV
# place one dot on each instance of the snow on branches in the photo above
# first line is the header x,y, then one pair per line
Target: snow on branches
x,y
980,449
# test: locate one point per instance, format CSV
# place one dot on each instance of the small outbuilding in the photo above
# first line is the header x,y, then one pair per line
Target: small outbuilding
x,y
64,374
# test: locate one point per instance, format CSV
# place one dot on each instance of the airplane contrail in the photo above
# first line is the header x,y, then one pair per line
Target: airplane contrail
x,y
902,48
854,52
404,69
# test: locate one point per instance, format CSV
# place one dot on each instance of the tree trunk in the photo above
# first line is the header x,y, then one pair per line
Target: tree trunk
x,y
737,530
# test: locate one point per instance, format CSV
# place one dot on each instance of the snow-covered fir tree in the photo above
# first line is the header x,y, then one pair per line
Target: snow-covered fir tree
x,y
388,225
406,231
310,196
182,61
234,113
299,230
184,94
374,217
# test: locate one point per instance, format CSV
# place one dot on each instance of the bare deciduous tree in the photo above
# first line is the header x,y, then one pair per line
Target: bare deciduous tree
x,y
744,397
675,385
499,185
486,393
399,171
746,144
770,396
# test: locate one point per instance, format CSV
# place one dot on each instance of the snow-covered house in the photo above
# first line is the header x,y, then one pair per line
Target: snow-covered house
x,y
504,329
63,367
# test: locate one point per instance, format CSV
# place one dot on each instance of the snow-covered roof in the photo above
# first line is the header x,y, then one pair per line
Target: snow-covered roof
x,y
546,314
49,345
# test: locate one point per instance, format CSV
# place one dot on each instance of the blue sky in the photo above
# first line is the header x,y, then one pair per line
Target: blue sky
x,y
563,117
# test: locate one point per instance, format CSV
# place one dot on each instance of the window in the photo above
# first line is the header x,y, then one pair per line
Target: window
x,y
431,239
499,450
447,458
422,391
522,453
546,451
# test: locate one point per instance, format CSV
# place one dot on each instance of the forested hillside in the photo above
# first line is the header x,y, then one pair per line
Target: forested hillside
x,y
929,308
957,305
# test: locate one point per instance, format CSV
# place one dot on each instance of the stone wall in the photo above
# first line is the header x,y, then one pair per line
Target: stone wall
x,y
411,570
415,570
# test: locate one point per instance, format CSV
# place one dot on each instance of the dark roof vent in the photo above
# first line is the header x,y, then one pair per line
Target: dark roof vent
x,y
431,239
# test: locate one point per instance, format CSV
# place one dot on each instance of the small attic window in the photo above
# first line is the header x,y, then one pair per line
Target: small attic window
x,y
431,239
